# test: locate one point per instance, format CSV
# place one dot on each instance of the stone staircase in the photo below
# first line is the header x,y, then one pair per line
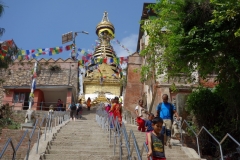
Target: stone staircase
x,y
84,139
81,140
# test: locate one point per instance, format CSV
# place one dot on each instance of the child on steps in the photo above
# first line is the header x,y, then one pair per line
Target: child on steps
x,y
156,140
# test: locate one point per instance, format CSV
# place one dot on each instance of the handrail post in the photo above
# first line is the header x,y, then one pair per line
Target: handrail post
x,y
120,146
14,151
46,127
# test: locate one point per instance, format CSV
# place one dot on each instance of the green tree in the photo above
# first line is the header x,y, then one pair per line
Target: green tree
x,y
197,35
202,36
8,49
2,30
217,115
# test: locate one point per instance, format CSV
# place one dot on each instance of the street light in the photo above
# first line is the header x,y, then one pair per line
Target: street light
x,y
71,36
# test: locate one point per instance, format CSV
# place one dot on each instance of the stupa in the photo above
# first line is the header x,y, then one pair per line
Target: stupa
x,y
103,73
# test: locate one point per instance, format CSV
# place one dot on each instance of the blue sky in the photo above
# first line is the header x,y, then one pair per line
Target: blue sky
x,y
35,24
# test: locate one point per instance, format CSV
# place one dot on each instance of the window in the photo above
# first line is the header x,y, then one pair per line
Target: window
x,y
19,97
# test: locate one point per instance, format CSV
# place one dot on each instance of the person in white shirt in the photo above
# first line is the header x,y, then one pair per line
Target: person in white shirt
x,y
79,109
141,116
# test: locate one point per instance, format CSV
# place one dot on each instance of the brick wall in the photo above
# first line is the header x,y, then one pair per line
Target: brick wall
x,y
210,82
134,87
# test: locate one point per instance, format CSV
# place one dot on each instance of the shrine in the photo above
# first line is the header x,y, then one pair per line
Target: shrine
x,y
103,73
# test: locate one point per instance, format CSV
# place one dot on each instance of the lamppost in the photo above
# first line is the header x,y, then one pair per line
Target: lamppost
x,y
68,37
71,36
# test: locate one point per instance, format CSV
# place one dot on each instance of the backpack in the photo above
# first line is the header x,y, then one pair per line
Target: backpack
x,y
73,107
79,108
159,108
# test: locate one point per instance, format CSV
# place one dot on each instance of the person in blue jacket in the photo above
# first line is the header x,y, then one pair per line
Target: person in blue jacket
x,y
166,111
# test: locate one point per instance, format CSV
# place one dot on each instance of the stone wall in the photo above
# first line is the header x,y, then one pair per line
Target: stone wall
x,y
19,74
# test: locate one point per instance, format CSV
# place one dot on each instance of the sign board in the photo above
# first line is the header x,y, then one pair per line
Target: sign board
x,y
67,37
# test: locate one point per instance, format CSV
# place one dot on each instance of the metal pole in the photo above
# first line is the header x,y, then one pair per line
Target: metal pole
x,y
33,81
41,105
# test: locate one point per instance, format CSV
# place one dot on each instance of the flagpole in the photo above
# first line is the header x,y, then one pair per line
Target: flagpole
x,y
28,120
74,56
31,97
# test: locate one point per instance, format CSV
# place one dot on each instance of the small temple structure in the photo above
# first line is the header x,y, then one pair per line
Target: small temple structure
x,y
103,73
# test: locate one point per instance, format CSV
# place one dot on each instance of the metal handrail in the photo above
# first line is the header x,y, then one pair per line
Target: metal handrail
x,y
146,148
228,135
39,129
219,143
30,139
127,143
46,125
220,147
136,145
5,148
24,135
65,105
184,121
30,135
111,124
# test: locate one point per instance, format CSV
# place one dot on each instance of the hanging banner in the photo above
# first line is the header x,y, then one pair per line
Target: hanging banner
x,y
116,41
33,53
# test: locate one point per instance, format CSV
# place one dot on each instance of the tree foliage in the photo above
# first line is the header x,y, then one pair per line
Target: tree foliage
x,y
8,49
217,111
2,30
197,35
206,104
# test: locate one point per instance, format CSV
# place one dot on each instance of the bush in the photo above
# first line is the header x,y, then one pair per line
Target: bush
x,y
6,121
209,108
217,110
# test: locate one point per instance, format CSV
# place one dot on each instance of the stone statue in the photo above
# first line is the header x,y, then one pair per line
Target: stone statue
x,y
29,116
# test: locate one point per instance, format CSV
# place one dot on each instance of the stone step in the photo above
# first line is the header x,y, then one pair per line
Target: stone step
x,y
82,140
71,150
79,138
82,148
68,128
76,143
79,132
82,157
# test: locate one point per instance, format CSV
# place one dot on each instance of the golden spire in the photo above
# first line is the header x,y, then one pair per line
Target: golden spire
x,y
105,25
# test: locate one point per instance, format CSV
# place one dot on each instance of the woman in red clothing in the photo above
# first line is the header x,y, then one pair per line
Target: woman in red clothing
x,y
117,110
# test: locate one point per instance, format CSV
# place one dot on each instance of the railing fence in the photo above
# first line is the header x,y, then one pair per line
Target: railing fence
x,y
60,116
111,124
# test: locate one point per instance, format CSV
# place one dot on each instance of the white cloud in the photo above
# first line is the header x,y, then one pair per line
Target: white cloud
x,y
129,42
